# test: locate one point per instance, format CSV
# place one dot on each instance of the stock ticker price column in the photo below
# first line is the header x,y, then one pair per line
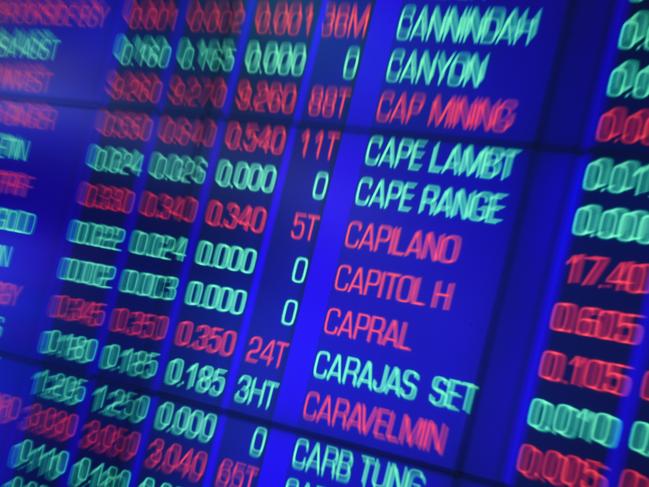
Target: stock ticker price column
x,y
198,51
102,420
587,422
246,173
124,257
202,80
184,424
290,178
303,190
285,260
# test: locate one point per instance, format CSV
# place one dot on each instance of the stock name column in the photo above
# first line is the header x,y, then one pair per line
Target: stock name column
x,y
29,216
592,376
45,45
419,232
47,417
39,44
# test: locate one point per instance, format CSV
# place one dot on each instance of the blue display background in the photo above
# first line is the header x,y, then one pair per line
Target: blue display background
x,y
507,275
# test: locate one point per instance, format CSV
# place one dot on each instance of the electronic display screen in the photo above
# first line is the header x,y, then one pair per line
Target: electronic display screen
x,y
309,243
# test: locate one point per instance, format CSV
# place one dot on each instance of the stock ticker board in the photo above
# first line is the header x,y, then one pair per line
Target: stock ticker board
x,y
301,243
